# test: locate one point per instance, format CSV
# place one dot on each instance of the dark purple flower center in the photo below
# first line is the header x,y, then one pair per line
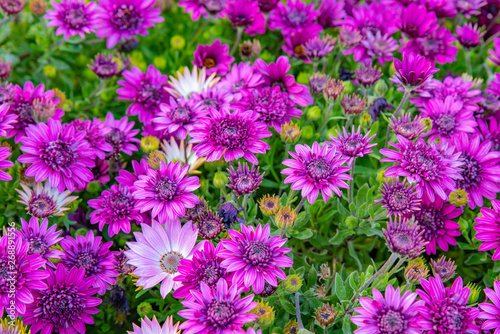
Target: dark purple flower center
x,y
402,242
61,306
257,253
127,18
75,18
116,139
41,206
399,199
119,205
392,322
213,6
211,273
270,105
431,221
237,86
170,261
88,261
431,46
318,169
351,146
297,17
150,95
220,313
471,172
449,317
181,115
58,154
24,111
211,102
423,161
209,226
445,124
37,245
166,189
230,133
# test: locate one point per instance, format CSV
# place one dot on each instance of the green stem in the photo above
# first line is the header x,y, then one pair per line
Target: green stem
x,y
337,59
239,33
245,203
396,114
297,310
396,267
97,90
330,107
290,195
297,209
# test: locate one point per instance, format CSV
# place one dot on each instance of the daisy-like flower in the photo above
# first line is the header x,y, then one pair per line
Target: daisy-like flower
x,y
147,90
115,207
490,311
65,305
7,120
244,180
488,230
190,82
40,238
182,152
295,41
166,192
60,155
448,118
495,52
96,132
367,75
469,36
118,19
443,268
215,58
179,116
242,76
352,104
314,170
12,7
157,253
153,327
42,201
5,68
413,71
407,127
293,17
445,310
390,314
121,136
219,310
209,225
398,198
233,136
204,267
4,163
404,238
105,66
7,93
255,257
214,97
316,48
88,252
331,13
469,7
376,47
205,8
73,17
481,168
350,37
352,145
23,275
317,83
435,219
416,21
423,165
434,47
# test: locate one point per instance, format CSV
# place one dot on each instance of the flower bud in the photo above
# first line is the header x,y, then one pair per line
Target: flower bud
x,y
314,113
415,271
290,133
381,88
93,187
160,62
443,268
326,315
427,123
459,197
365,120
149,144
38,7
293,283
292,327
269,205
144,309
333,89
177,42
49,71
220,180
285,218
155,158
351,221
265,314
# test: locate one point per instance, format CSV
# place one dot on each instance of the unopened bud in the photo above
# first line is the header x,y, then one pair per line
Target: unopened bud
x,y
220,180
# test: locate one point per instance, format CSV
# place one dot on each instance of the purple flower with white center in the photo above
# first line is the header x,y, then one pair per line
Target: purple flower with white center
x,y
255,257
331,13
40,238
121,136
352,145
73,17
315,48
246,14
367,75
88,252
423,165
314,170
96,132
179,116
205,8
495,52
445,310
119,19
25,279
115,207
158,251
480,170
488,229
413,71
416,21
166,192
23,105
404,238
399,198
219,310
60,155
407,127
434,47
377,47
490,312
147,90
43,201
244,180
469,36
215,97
233,135
293,17
4,163
276,74
105,66
390,314
204,267
470,7
6,120
214,57
490,132
273,107
65,305
241,76
153,327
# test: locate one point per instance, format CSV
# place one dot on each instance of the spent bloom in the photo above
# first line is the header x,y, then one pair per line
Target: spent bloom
x,y
73,17
214,57
488,230
352,145
42,200
244,180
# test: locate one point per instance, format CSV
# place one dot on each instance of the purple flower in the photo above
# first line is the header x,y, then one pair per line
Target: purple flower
x,y
25,279
267,5
43,201
488,230
469,36
495,52
392,314
4,163
423,165
215,58
443,268
494,86
6,120
255,257
95,131
442,8
246,14
215,97
244,180
127,179
115,207
314,170
399,199
178,117
204,267
416,21
60,155
205,8
470,7
490,132
119,19
12,7
219,310
40,238
105,66
367,75
372,18
65,305
121,136
376,47
434,47
295,41
147,90
232,135
352,145
166,192
5,68
7,93
349,37
316,48
276,74
153,326
241,76
293,17
158,251
404,238
406,127
490,311
413,71
331,13
73,17
445,310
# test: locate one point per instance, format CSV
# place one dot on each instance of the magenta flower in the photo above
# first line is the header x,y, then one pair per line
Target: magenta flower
x,y
276,74
153,326
442,8
419,23
293,17
490,311
60,155
232,135
7,120
374,17
376,47
7,93
488,230
127,179
166,192
399,199
119,19
434,47
241,76
352,145
65,305
147,90
5,69
26,278
178,117
106,66
490,132
213,97
96,131
423,165
73,17
445,310
407,127
88,252
244,180
392,314
404,238
331,13
254,257
219,310
314,170
246,14
158,251
121,136
413,71
494,86
4,163
205,8
469,7
367,75
40,238
295,41
495,52
469,36
215,58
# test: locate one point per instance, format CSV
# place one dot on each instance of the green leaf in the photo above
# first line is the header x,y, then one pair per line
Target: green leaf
x,y
287,306
352,252
305,234
302,220
342,209
346,325
312,277
340,288
354,280
339,237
